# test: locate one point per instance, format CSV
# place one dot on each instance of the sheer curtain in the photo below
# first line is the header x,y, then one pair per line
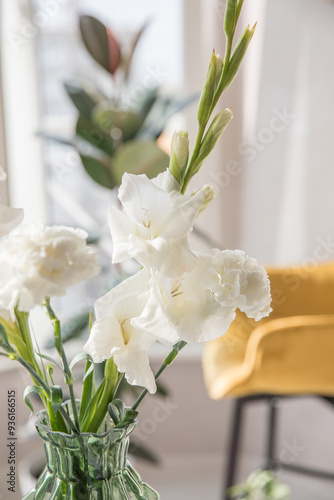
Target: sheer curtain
x,y
273,172
287,152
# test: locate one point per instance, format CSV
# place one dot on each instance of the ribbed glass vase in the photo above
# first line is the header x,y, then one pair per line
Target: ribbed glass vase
x,y
88,466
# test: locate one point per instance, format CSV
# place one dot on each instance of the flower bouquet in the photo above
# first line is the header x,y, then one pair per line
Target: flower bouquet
x,y
179,296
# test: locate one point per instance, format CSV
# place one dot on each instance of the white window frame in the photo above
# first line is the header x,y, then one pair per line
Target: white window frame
x,y
24,163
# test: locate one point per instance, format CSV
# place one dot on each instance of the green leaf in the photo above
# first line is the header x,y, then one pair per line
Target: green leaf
x,y
162,110
32,389
100,43
48,358
72,328
87,389
116,410
129,418
99,171
56,397
4,343
139,157
56,138
122,124
127,58
86,129
80,357
143,105
84,96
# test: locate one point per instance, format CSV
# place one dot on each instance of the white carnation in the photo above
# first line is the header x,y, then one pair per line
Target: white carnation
x,y
238,280
38,262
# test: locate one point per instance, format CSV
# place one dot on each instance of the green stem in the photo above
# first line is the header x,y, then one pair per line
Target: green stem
x,y
167,361
59,346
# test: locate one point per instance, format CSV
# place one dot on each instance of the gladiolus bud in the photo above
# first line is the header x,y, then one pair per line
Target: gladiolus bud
x,y
209,89
179,154
238,55
215,130
230,18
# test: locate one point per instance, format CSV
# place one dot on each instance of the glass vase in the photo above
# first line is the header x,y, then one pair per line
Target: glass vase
x,y
88,466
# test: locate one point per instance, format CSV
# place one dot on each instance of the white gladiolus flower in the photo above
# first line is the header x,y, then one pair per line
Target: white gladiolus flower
x,y
155,223
200,305
38,262
184,308
113,334
240,282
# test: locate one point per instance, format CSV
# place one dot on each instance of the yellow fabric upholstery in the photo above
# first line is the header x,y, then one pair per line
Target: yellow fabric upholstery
x,y
290,352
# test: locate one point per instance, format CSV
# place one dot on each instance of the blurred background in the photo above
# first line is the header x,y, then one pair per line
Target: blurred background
x,y
273,174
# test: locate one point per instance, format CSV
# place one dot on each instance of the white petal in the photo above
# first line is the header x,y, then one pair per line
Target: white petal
x,y
121,226
168,257
127,299
105,336
136,367
144,202
166,181
9,218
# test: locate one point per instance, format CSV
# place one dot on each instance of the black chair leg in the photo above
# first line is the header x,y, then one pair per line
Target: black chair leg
x,y
230,475
272,427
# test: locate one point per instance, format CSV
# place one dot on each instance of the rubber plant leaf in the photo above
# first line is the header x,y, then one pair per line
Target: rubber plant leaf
x,y
100,43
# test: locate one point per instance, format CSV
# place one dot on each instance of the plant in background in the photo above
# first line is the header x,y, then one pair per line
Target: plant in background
x,y
261,485
120,133
179,296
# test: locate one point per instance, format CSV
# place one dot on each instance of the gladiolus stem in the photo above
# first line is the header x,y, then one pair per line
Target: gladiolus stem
x,y
59,346
167,361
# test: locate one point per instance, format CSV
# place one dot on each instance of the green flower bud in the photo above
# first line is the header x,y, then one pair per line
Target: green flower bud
x,y
238,55
179,154
230,19
215,130
209,89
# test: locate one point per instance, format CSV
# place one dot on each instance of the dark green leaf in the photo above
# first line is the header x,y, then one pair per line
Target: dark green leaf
x,y
122,124
143,104
100,43
163,109
93,134
99,171
84,96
